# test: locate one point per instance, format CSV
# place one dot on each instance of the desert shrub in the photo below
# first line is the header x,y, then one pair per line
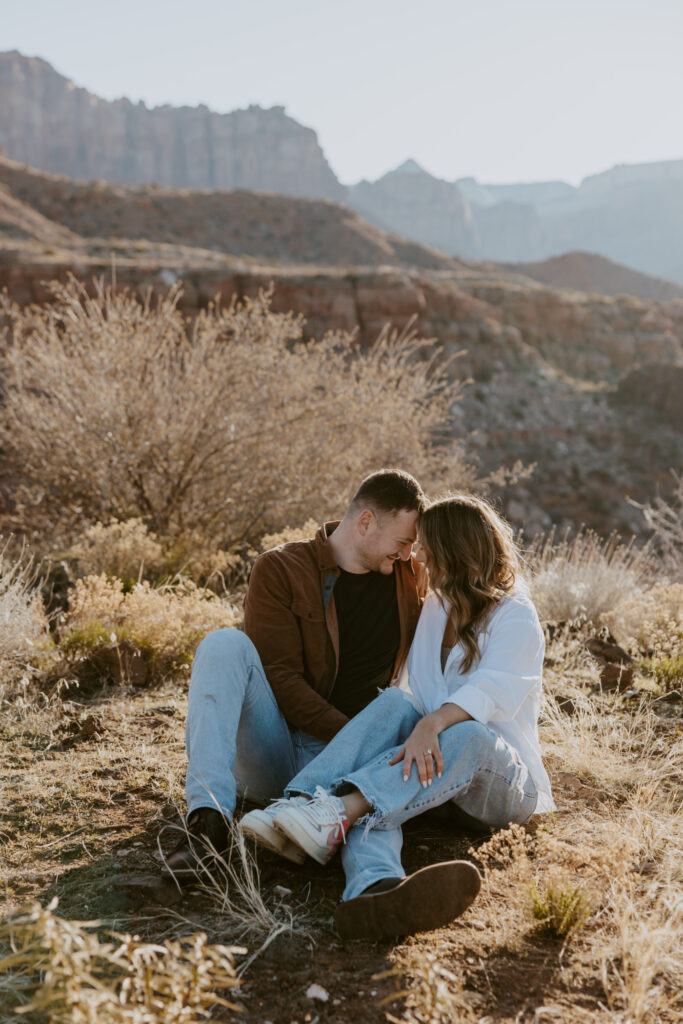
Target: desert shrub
x,y
122,549
639,616
235,427
651,625
665,519
290,533
69,974
164,624
584,577
23,625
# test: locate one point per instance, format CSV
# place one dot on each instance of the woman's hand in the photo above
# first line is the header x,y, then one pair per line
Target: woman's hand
x,y
422,747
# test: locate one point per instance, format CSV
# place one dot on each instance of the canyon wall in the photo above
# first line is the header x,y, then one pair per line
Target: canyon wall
x,y
49,123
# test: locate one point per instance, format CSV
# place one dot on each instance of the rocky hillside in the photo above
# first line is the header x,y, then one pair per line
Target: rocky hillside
x,y
587,272
49,123
263,226
587,388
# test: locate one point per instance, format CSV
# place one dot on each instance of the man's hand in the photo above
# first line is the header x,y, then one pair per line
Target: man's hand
x,y
422,746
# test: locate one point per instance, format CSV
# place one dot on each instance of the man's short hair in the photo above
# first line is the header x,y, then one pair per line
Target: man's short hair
x,y
389,491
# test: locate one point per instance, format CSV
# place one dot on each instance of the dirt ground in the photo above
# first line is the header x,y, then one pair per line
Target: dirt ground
x,y
86,792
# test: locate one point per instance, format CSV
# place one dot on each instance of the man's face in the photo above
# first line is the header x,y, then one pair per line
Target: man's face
x,y
386,538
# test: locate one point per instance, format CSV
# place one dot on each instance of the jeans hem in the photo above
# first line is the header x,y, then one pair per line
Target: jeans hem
x,y
362,882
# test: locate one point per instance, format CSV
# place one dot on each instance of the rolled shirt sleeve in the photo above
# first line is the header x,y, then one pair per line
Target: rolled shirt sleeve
x,y
510,667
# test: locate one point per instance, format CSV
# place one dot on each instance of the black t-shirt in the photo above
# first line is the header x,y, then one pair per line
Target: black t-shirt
x,y
369,637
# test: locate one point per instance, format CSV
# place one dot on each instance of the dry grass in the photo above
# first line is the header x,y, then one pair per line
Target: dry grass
x,y
583,577
665,519
609,861
24,634
68,973
232,885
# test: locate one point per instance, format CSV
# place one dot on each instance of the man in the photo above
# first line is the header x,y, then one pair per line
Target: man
x,y
328,623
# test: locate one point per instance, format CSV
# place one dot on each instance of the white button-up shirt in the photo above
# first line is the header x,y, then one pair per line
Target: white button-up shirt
x,y
502,689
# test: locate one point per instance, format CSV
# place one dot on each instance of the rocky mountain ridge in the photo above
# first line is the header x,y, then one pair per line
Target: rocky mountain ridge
x,y
49,123
632,214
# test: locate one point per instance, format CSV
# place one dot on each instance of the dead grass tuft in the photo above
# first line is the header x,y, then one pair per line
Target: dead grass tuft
x,y
67,972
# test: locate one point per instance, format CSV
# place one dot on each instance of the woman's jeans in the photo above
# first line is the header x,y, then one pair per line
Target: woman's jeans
x,y
239,744
482,774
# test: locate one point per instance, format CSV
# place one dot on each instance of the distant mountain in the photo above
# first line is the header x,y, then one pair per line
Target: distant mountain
x,y
48,122
536,192
412,203
632,214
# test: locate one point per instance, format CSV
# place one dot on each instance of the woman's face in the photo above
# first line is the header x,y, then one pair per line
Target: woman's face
x,y
420,554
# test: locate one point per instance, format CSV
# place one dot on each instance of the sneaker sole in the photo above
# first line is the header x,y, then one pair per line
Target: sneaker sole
x,y
264,834
429,898
290,827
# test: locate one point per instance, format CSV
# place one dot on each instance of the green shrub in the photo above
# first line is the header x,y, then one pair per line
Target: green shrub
x,y
559,907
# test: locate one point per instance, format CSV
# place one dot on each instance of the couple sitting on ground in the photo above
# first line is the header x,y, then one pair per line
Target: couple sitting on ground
x,y
367,701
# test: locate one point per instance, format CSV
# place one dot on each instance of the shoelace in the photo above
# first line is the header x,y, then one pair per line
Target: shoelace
x,y
324,807
283,801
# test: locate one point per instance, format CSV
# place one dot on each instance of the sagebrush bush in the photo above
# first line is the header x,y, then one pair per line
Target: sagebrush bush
x,y
289,534
584,577
223,431
123,549
23,625
165,624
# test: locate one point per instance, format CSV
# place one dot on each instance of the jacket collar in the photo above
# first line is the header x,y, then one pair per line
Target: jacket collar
x,y
323,548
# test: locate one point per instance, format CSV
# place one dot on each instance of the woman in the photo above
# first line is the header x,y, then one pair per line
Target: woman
x,y
465,732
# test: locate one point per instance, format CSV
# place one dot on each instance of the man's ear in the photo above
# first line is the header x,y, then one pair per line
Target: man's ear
x,y
365,521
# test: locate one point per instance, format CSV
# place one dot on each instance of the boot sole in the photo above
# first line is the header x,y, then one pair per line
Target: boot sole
x,y
430,898
265,835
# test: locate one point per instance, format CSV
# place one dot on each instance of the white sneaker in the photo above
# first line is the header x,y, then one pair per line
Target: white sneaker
x,y
318,825
258,825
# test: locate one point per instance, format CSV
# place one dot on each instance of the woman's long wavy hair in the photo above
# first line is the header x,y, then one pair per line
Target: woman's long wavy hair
x,y
472,561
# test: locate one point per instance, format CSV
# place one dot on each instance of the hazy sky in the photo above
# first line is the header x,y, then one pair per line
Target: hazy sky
x,y
504,90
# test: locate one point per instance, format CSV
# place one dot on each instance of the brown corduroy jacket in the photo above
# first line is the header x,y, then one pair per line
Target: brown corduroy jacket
x,y
290,616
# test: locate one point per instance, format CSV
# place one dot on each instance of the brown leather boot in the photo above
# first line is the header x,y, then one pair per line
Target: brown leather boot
x,y
430,898
207,830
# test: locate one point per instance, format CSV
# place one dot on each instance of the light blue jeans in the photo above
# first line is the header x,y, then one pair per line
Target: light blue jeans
x,y
483,775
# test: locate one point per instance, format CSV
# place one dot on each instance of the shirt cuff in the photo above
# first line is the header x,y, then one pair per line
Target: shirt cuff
x,y
474,702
